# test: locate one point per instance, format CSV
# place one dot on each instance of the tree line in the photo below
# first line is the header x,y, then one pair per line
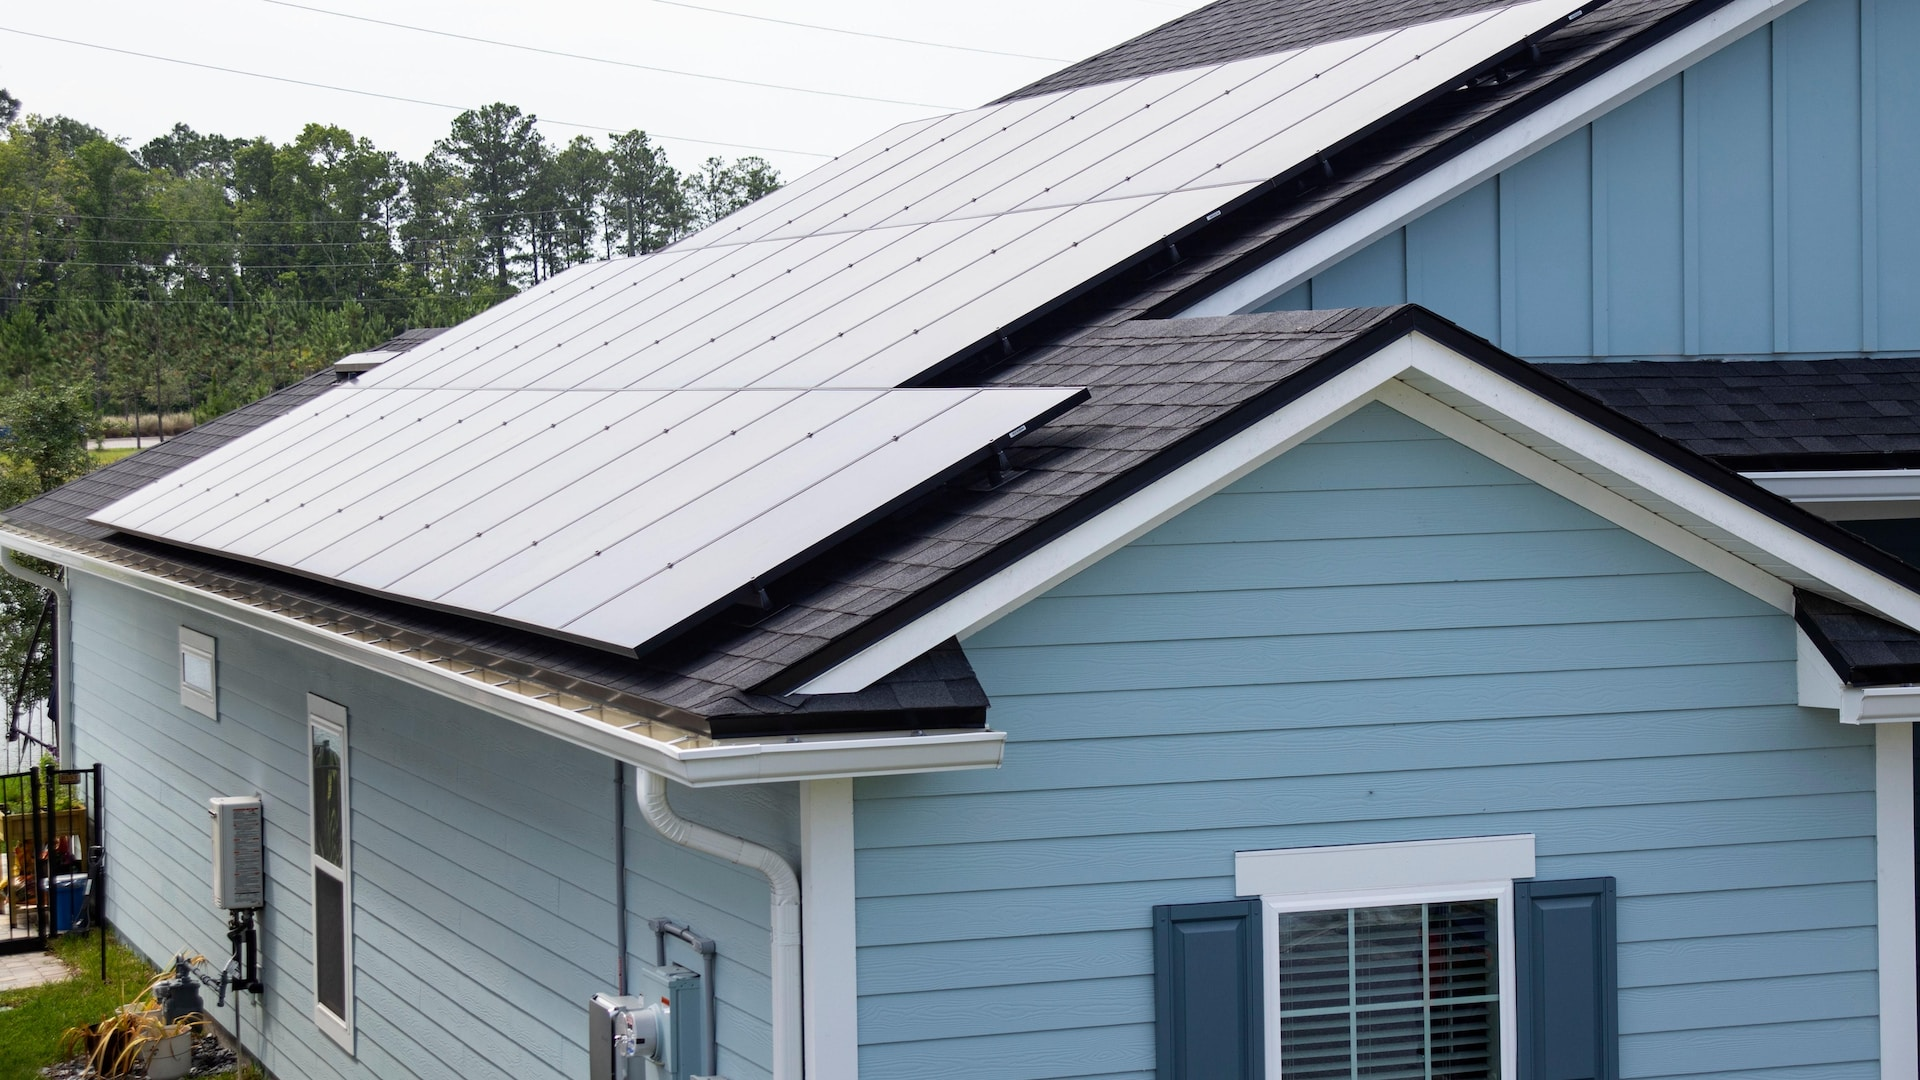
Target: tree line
x,y
199,271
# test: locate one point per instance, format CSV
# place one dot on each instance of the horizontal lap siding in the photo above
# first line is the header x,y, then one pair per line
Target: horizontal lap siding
x,y
483,856
1381,636
1758,203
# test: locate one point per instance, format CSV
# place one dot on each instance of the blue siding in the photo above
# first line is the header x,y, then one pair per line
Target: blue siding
x,y
1380,636
482,856
1756,204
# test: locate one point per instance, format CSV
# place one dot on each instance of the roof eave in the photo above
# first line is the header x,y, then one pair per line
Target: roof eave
x,y
678,754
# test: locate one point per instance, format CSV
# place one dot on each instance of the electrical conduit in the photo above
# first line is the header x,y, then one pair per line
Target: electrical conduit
x,y
651,792
62,646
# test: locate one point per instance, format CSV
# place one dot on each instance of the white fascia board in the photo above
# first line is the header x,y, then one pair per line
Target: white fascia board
x,y
1579,107
1639,470
1860,485
1374,379
978,607
1370,868
717,765
1820,685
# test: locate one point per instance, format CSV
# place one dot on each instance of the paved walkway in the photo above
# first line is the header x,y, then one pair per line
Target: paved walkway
x,y
31,969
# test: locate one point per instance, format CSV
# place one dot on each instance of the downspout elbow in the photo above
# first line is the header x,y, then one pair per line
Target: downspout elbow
x,y
650,791
63,646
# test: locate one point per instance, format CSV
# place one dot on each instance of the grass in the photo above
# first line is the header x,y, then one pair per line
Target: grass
x,y
108,457
33,1019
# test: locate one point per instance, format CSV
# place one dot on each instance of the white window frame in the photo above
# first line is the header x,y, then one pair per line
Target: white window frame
x,y
195,645
331,717
1388,875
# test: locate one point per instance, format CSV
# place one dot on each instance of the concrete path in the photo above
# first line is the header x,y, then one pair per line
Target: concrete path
x,y
23,970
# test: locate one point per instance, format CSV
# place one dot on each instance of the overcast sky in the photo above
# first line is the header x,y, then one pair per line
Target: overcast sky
x,y
136,98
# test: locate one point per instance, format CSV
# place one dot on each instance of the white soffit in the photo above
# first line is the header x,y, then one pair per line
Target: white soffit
x,y
882,264
607,517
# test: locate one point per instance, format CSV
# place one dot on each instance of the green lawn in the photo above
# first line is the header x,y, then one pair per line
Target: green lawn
x,y
31,1020
108,457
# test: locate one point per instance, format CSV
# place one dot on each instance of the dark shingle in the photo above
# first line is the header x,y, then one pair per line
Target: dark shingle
x,y
1762,415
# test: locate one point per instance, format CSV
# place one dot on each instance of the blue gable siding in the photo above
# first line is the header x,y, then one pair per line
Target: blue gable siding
x,y
1758,203
483,856
1379,636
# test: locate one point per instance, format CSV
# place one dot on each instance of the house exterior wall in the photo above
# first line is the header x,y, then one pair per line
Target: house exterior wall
x,y
1755,204
1380,636
482,856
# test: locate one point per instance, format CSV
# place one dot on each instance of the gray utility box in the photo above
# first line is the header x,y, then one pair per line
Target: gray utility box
x,y
656,1034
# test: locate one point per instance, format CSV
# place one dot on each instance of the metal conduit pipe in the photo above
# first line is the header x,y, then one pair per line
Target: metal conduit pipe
x,y
651,793
62,648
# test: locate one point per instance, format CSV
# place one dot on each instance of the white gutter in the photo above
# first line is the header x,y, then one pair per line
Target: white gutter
x,y
1577,108
650,791
659,747
62,649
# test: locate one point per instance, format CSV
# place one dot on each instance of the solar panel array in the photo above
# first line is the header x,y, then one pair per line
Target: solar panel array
x,y
607,517
883,263
616,451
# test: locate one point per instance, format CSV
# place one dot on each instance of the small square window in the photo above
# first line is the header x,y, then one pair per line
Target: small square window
x,y
198,673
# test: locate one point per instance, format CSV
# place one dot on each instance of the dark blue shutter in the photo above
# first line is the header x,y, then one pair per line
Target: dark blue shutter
x,y
1563,935
1207,979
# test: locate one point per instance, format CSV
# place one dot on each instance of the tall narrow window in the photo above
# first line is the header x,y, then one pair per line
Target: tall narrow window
x,y
197,684
332,880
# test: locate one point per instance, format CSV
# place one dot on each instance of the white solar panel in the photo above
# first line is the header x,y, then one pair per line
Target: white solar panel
x,y
605,517
628,444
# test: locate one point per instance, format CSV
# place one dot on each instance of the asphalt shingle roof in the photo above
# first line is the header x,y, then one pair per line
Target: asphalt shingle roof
x,y
1236,29
1865,650
1759,415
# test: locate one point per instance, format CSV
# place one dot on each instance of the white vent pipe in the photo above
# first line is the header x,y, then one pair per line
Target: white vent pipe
x,y
651,792
62,648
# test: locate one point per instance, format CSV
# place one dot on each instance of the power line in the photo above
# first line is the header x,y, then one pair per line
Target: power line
x,y
856,33
368,222
605,60
386,96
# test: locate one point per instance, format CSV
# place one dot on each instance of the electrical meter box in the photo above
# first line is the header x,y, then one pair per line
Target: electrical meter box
x,y
658,1033
239,853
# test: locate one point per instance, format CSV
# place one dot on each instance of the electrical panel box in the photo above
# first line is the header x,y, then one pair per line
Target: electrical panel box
x,y
658,1033
239,853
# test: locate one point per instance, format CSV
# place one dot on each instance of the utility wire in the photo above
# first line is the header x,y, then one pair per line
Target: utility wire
x,y
856,33
368,222
606,60
386,96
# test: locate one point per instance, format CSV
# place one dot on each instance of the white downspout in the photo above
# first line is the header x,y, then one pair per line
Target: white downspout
x,y
651,792
62,644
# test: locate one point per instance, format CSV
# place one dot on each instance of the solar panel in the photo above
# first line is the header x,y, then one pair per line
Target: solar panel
x,y
617,450
606,517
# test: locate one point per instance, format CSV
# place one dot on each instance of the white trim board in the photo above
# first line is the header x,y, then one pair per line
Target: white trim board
x,y
713,765
1482,410
1502,149
1353,870
1893,811
829,974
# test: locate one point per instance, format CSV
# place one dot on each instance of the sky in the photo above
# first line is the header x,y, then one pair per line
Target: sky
x,y
827,91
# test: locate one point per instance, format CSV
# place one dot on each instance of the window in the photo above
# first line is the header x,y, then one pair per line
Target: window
x,y
1407,991
1431,960
332,854
197,673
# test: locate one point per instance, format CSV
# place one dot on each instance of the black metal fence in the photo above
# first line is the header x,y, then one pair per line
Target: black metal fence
x,y
50,838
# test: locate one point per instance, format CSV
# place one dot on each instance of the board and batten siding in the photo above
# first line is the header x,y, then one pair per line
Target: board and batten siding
x,y
482,859
1760,203
1379,636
